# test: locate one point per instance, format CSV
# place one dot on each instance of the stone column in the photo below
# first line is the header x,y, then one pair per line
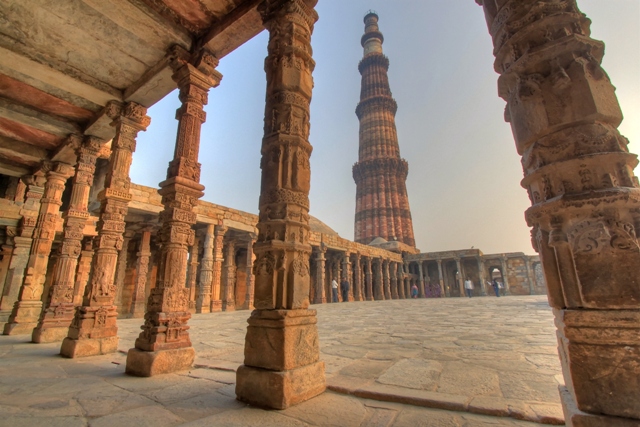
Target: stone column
x,y
229,276
84,268
378,291
481,276
279,372
407,281
368,279
216,273
357,279
585,200
164,344
460,277
320,275
58,314
386,280
401,294
346,274
142,272
22,242
530,279
121,272
203,303
94,329
394,280
193,274
251,278
443,289
26,311
505,275
420,280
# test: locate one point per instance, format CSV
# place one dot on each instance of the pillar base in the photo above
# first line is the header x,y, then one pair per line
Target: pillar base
x,y
229,307
83,347
4,316
24,318
216,306
19,328
576,418
50,334
279,389
149,363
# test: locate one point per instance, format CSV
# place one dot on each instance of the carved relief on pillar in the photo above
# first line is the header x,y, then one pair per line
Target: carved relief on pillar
x,y
83,271
585,198
393,279
346,274
58,314
421,292
229,276
320,295
282,250
368,279
216,274
401,281
142,272
165,334
203,302
192,276
94,329
27,309
357,278
386,280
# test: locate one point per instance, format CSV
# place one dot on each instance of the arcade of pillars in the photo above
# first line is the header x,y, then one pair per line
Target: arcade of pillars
x,y
578,173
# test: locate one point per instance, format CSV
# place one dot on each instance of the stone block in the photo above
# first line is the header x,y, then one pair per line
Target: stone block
x,y
19,328
280,340
600,352
279,389
149,363
51,334
73,348
576,418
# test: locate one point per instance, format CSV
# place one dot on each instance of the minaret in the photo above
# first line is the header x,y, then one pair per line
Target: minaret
x,y
382,204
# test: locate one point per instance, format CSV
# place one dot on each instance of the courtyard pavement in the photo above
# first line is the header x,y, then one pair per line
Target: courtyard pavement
x,y
456,362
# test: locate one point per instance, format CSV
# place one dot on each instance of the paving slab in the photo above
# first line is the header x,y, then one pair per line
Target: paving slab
x,y
424,362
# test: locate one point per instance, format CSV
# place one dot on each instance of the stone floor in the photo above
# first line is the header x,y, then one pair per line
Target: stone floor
x,y
449,362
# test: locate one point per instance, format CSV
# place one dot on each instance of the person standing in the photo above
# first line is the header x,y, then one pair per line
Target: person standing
x,y
468,287
414,291
496,287
334,290
344,288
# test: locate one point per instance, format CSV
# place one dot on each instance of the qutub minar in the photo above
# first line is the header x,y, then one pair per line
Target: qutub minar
x,y
382,204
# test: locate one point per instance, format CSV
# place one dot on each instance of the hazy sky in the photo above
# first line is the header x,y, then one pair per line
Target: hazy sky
x,y
464,172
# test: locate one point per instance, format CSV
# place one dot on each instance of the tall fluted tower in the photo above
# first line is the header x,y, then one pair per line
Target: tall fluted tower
x,y
382,204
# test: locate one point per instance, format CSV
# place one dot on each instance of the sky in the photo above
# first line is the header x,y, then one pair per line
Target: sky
x,y
464,172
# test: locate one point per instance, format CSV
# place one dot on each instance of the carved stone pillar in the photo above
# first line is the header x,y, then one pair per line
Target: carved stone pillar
x,y
320,297
585,200
378,292
460,277
121,272
368,279
346,274
443,289
229,276
393,278
203,303
83,271
357,279
283,374
335,274
505,275
164,344
481,276
216,274
22,243
57,316
386,280
192,277
530,279
94,329
26,311
401,278
142,273
251,279
420,280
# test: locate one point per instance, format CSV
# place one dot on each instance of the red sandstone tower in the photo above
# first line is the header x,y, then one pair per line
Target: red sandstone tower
x,y
382,204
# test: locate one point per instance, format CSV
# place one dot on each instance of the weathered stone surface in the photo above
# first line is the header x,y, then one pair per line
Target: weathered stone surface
x,y
279,389
413,373
88,347
148,363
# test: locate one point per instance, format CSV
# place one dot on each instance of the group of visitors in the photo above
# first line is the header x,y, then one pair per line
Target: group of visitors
x,y
344,290
498,287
